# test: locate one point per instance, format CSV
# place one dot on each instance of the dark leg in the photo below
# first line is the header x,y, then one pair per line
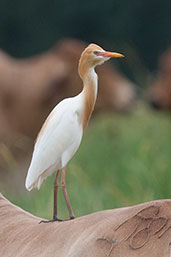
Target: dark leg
x,y
71,214
56,185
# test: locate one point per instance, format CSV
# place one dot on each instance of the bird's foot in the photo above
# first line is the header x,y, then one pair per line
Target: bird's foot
x,y
56,219
48,221
72,217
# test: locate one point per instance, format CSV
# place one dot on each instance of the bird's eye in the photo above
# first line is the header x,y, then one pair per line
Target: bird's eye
x,y
96,52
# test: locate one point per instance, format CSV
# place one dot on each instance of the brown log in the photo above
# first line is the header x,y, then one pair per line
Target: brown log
x,y
137,231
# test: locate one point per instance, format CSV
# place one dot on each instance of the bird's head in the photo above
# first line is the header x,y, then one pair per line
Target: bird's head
x,y
94,55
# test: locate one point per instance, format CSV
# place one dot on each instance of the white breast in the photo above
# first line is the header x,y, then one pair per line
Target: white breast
x,y
60,139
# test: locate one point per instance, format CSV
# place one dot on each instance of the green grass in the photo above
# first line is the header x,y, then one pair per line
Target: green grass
x,y
123,160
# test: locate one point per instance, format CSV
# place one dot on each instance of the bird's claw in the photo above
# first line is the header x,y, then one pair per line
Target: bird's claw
x,y
56,219
48,221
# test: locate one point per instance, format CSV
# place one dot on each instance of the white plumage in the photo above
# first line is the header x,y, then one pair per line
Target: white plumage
x,y
62,131
60,139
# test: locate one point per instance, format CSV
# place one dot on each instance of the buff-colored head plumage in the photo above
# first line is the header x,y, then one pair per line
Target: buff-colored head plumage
x,y
94,55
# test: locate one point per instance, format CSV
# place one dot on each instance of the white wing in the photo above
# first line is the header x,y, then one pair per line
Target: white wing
x,y
57,142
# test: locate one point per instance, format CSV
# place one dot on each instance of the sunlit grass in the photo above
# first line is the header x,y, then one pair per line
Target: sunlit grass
x,y
123,160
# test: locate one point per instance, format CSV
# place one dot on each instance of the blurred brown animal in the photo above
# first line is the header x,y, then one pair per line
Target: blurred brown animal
x,y
30,88
139,231
160,90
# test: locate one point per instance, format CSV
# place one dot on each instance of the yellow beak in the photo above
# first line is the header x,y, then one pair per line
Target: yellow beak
x,y
112,54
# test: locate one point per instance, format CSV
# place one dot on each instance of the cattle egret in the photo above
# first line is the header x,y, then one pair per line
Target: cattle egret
x,y
61,134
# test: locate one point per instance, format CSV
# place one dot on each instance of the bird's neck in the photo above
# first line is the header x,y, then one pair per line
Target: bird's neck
x,y
89,93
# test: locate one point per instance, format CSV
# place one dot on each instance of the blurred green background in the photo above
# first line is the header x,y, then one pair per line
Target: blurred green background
x,y
124,158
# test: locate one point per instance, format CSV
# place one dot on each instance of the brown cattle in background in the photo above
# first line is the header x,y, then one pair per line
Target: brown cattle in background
x,y
30,88
160,90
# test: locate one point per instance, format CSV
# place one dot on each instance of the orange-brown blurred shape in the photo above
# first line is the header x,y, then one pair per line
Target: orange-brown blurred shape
x,y
160,89
30,88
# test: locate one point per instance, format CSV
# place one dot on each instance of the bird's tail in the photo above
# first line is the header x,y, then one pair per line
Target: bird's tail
x,y
30,185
